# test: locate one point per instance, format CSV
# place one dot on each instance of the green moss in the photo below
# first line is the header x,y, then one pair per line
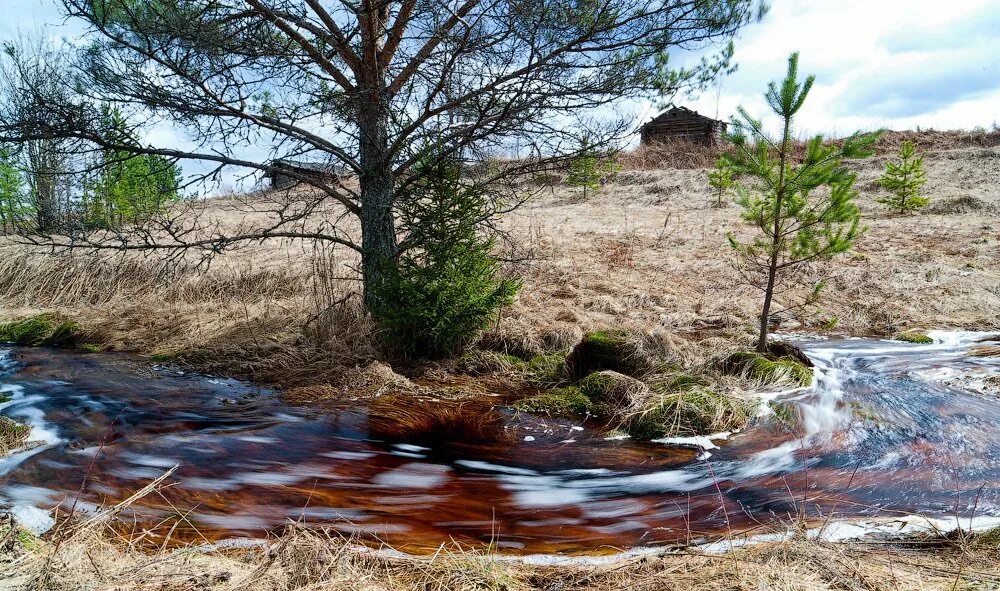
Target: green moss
x,y
28,540
48,330
162,357
914,336
90,348
560,402
479,362
4,397
613,350
696,411
760,368
597,386
64,334
681,381
548,369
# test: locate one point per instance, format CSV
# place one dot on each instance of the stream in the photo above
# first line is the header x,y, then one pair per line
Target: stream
x,y
889,428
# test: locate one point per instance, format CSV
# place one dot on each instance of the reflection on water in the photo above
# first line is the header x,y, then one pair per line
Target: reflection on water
x,y
879,434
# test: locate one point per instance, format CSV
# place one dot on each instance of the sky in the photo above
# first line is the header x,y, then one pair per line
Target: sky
x,y
898,64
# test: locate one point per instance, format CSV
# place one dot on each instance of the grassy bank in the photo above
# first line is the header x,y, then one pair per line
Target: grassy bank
x,y
91,556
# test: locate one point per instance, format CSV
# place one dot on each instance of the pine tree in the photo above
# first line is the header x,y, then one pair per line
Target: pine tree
x,y
903,180
15,203
802,207
129,188
446,285
589,168
720,178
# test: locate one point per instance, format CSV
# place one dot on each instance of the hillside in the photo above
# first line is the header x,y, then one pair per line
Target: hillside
x,y
647,253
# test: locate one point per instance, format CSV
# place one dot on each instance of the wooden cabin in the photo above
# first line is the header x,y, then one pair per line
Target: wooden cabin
x,y
297,170
680,123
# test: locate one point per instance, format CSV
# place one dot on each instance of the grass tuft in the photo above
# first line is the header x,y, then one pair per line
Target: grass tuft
x,y
913,336
764,371
13,435
560,402
693,411
42,330
548,370
477,362
613,350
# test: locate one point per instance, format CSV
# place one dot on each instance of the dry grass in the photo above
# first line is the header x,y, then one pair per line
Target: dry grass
x,y
13,435
415,418
646,254
94,555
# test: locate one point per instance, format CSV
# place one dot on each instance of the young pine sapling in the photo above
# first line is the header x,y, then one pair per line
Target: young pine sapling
x,y
903,180
720,178
803,207
589,168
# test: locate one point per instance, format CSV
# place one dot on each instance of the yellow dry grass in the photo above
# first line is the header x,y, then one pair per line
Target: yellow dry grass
x,y
93,556
646,253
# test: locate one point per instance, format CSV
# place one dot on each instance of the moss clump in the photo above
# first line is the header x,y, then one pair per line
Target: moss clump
x,y
48,330
548,369
614,395
914,336
762,369
478,362
90,348
598,385
560,402
12,434
614,350
189,356
4,397
680,381
695,411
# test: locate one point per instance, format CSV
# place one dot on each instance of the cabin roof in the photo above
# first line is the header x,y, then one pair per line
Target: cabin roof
x,y
665,117
306,166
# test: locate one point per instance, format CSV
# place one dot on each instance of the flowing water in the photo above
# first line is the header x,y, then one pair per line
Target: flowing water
x,y
887,429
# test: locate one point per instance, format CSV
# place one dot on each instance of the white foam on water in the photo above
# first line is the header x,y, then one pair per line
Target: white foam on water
x,y
705,442
413,475
37,521
21,408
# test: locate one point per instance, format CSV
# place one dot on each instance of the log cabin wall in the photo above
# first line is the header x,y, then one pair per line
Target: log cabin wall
x,y
684,124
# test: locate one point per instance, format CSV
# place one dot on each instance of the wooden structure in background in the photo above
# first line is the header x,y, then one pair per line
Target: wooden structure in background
x,y
680,123
318,171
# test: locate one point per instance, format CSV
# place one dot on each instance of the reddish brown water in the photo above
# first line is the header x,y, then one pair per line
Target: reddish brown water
x,y
879,435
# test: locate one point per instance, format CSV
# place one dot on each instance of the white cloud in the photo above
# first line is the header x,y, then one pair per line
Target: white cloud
x,y
884,63
879,63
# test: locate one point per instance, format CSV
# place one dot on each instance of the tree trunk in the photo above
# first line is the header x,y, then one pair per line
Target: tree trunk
x,y
772,270
378,228
766,311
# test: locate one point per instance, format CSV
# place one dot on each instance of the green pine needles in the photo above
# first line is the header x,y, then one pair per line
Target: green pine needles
x,y
589,168
128,188
903,180
15,202
720,178
803,207
446,285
